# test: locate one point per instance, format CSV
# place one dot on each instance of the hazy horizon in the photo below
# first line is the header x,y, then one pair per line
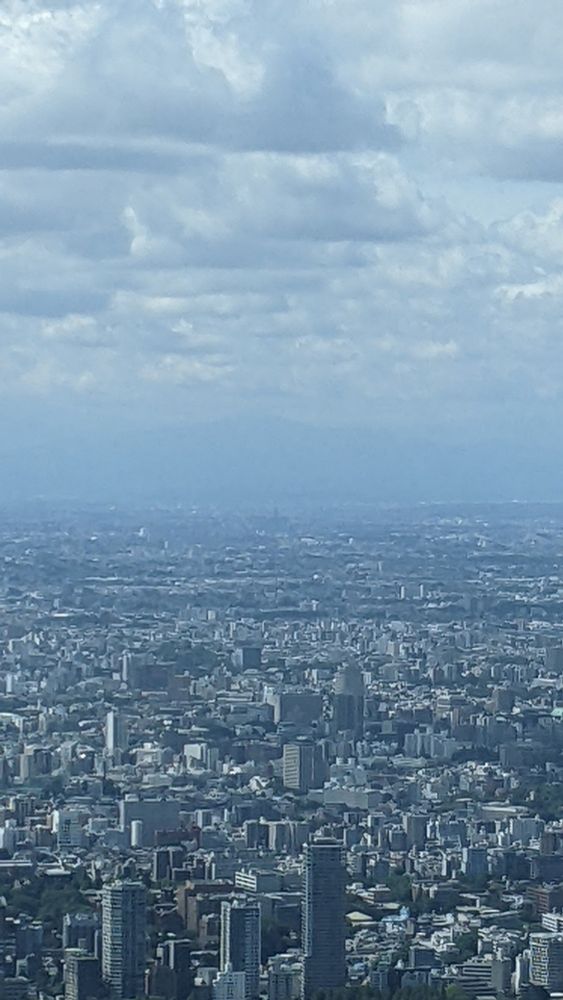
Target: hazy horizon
x,y
238,462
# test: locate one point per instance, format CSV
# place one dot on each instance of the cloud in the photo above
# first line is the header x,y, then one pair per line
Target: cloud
x,y
253,207
145,70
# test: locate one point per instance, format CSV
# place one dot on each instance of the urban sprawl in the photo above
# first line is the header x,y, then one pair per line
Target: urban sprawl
x,y
282,756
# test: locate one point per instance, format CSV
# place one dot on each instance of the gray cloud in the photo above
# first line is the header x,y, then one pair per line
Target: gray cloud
x,y
248,207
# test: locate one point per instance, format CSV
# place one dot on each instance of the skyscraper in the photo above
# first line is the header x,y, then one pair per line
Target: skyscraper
x,y
117,732
303,766
349,701
414,825
124,917
324,965
241,942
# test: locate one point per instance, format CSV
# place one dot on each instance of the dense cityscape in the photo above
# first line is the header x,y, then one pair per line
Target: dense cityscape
x,y
281,756
281,500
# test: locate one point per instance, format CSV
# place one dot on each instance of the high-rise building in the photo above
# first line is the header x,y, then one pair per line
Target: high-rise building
x,y
176,954
349,701
155,815
303,766
67,825
248,657
301,707
501,975
241,942
117,732
124,917
414,825
324,966
522,973
546,961
474,863
137,833
81,975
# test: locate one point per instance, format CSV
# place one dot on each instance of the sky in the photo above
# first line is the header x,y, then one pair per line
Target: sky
x,y
254,249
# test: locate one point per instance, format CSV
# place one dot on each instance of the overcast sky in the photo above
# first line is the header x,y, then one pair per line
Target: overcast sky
x,y
282,245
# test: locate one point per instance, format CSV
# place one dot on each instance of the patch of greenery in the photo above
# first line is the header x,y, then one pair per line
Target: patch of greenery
x,y
46,899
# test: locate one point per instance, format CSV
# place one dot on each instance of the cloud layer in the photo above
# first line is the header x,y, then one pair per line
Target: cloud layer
x,y
334,211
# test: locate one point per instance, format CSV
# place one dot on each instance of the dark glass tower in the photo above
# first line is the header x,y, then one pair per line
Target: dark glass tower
x,y
124,917
349,701
240,942
324,962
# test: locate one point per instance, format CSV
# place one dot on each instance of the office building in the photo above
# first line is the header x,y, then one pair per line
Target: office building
x,y
81,975
414,826
116,732
303,767
522,973
154,814
474,976
546,961
67,826
323,932
349,701
501,975
176,955
301,707
241,942
124,909
474,863
254,881
248,657
137,833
